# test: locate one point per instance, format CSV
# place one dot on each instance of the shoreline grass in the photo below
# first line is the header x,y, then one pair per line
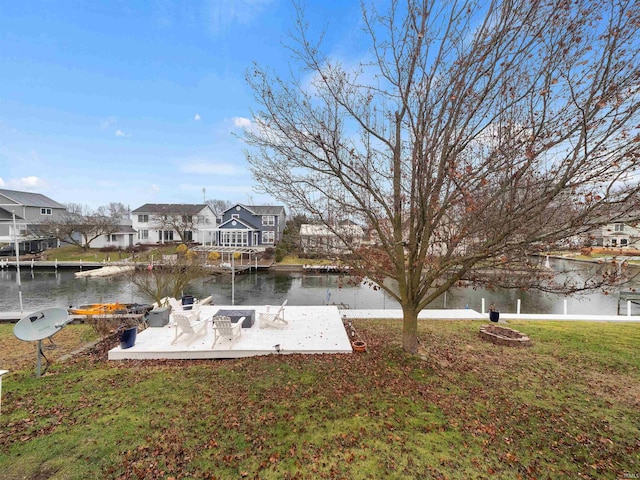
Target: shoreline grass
x,y
566,407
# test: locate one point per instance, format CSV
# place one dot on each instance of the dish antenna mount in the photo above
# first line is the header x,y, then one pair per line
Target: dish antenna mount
x,y
40,325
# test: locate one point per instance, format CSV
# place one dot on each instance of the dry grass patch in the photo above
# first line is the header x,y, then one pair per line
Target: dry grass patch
x,y
18,355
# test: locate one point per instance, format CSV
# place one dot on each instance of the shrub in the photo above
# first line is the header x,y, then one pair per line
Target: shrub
x,y
281,252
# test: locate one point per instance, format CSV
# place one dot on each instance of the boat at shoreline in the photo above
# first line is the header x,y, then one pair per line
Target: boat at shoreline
x,y
110,308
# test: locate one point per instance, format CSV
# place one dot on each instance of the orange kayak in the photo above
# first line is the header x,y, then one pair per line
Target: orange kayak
x,y
108,309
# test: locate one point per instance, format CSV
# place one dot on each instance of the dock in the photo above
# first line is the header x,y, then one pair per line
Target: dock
x,y
49,264
326,268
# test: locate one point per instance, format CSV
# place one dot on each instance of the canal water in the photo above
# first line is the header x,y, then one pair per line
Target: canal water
x,y
51,288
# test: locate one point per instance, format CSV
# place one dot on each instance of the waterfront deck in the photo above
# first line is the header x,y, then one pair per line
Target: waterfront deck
x,y
310,330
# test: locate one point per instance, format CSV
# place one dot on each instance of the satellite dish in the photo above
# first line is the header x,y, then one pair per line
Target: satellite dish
x,y
40,325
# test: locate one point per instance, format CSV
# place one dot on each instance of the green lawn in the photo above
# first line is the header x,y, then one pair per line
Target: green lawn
x,y
72,253
567,407
295,260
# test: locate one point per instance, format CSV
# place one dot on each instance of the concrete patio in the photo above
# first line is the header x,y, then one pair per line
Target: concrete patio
x,y
309,330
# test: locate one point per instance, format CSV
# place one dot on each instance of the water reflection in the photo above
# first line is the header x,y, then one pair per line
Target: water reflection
x,y
50,288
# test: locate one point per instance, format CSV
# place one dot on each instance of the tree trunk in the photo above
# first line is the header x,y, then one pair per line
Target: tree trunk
x,y
410,330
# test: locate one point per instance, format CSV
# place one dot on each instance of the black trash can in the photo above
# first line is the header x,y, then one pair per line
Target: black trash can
x,y
127,336
494,315
187,302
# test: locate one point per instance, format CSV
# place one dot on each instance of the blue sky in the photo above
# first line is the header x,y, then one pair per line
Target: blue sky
x,y
138,101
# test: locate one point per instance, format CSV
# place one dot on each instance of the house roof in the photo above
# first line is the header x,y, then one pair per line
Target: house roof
x,y
28,199
230,224
125,229
171,208
260,209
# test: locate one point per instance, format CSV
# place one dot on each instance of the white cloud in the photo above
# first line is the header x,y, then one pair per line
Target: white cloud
x,y
197,117
31,181
25,183
241,122
120,133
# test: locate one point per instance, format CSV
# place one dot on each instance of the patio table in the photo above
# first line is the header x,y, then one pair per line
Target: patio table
x,y
235,315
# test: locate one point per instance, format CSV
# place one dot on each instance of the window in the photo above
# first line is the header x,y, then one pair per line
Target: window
x,y
187,218
268,220
45,211
268,237
143,218
619,227
143,234
235,215
112,238
624,242
167,235
234,238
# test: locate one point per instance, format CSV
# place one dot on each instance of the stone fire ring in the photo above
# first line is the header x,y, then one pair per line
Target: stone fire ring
x,y
500,335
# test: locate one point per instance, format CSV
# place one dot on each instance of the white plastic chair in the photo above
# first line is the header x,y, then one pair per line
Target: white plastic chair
x,y
192,314
191,329
272,318
223,327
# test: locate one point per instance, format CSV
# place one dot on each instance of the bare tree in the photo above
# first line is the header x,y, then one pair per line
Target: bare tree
x,y
472,134
169,278
79,230
115,210
80,225
219,206
76,208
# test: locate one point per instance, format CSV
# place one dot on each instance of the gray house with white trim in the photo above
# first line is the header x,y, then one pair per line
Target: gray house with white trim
x,y
30,210
250,226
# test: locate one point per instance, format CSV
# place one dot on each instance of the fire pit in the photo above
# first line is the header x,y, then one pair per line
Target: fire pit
x,y
504,336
